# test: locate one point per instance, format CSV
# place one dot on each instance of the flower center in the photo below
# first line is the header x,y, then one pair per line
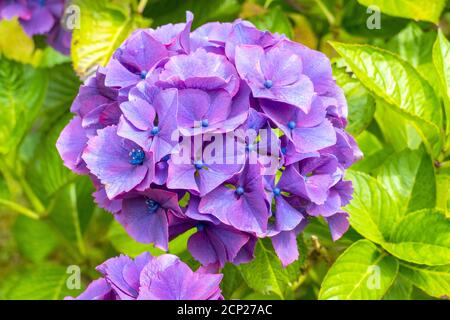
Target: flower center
x,y
155,131
268,84
200,227
198,164
205,123
152,206
291,125
137,157
283,150
250,147
143,74
240,191
277,192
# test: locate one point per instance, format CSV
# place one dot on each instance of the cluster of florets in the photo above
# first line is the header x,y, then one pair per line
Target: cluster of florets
x,y
152,278
234,131
40,17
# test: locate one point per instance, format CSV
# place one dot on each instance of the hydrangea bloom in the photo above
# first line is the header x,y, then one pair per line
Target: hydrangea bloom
x,y
151,278
39,17
246,125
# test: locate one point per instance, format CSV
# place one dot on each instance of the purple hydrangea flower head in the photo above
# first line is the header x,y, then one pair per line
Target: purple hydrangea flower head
x,y
151,278
226,131
39,17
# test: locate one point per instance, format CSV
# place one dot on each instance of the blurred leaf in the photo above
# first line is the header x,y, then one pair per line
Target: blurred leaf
x,y
441,59
435,281
361,105
22,93
42,282
410,179
265,274
173,11
105,24
46,173
411,9
232,281
401,289
49,58
362,272
355,18
274,20
421,237
303,31
398,84
35,239
15,44
373,212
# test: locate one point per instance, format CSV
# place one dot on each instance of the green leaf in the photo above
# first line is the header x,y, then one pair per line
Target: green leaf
x,y
409,178
397,83
35,239
421,237
441,59
172,11
265,274
46,172
361,105
435,281
22,93
362,272
411,9
105,24
42,282
274,21
373,213
401,289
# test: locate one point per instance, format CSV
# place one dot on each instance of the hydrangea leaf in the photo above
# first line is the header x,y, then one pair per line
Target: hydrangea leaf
x,y
14,42
42,282
274,21
435,281
362,272
409,178
105,25
421,237
397,83
411,9
401,289
265,274
46,172
21,97
35,238
361,105
373,212
441,59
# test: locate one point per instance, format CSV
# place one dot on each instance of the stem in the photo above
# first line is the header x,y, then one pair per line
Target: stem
x,y
141,6
19,209
444,165
31,196
326,12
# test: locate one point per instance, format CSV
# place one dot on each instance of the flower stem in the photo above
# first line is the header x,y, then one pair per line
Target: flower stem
x,y
19,209
330,17
141,6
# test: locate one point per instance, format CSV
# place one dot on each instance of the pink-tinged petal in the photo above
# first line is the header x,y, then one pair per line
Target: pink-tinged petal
x,y
144,226
98,289
71,144
40,22
282,66
249,64
285,245
102,200
313,139
107,156
139,113
338,224
181,176
127,130
120,77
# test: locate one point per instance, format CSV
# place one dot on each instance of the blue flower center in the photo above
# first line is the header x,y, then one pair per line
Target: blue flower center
x,y
240,191
166,158
198,164
137,157
250,147
205,123
143,74
268,84
42,3
200,227
291,125
276,191
155,131
152,206
283,150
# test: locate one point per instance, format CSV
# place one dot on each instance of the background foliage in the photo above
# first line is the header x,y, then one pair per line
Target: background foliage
x,y
396,80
